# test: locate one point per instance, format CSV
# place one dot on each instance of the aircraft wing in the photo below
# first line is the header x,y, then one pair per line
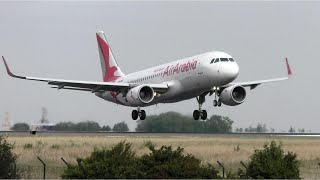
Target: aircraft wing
x,y
254,84
86,85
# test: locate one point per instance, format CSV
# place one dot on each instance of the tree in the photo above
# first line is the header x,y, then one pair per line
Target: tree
x,y
7,159
292,130
260,128
65,126
106,128
20,127
175,122
120,127
272,163
239,130
88,126
81,126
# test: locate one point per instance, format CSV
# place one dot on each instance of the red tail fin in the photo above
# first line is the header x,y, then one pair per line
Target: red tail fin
x,y
110,68
288,68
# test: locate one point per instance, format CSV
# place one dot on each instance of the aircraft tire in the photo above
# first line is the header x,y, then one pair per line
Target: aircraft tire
x,y
204,115
219,103
142,115
196,114
215,103
134,114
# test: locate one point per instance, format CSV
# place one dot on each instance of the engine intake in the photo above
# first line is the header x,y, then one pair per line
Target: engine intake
x,y
233,95
140,95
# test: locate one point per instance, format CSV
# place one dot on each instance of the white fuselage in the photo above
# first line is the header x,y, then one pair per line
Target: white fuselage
x,y
186,78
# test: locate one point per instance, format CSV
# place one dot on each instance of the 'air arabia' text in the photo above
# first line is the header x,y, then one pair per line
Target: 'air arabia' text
x,y
171,70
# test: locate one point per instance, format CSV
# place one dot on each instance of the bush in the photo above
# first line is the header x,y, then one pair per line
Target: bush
x,y
27,146
106,128
7,160
120,162
166,163
55,146
272,163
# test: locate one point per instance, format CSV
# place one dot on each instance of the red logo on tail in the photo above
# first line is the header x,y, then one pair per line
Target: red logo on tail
x,y
109,74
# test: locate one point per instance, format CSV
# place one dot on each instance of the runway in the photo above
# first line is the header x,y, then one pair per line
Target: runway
x,y
151,134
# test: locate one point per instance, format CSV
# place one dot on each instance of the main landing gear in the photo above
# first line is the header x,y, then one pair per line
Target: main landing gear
x,y
138,113
200,113
201,99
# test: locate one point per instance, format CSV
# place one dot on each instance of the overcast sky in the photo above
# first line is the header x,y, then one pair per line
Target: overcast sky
x,y
57,40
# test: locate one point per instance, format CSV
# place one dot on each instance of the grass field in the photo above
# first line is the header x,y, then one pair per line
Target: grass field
x,y
208,148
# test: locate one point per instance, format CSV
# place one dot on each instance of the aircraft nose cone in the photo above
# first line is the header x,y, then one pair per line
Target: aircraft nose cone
x,y
231,72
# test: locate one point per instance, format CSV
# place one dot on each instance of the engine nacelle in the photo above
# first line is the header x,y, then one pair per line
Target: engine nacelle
x,y
233,95
140,95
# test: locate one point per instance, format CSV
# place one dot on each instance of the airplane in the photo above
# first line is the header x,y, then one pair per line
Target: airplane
x,y
192,77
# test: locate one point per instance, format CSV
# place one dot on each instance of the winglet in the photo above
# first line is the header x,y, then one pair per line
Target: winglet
x,y
288,68
9,72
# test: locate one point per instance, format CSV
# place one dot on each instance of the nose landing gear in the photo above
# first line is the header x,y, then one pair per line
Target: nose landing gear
x,y
138,113
200,113
216,102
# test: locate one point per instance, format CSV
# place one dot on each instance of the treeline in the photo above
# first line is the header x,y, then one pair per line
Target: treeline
x,y
175,122
262,128
165,122
89,126
81,126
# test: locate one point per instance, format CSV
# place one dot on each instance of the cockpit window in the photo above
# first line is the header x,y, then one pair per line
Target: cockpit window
x,y
217,60
231,59
224,59
212,61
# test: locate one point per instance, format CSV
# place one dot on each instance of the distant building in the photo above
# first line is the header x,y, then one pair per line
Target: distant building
x,y
42,127
44,124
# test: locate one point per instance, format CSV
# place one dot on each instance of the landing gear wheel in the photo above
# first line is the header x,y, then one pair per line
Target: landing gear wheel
x,y
219,103
142,115
134,114
204,115
196,114
215,103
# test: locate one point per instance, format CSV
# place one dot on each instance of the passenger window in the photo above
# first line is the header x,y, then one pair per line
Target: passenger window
x,y
224,59
231,59
217,60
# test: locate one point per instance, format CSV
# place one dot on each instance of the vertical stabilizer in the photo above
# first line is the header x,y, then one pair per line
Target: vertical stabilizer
x,y
110,69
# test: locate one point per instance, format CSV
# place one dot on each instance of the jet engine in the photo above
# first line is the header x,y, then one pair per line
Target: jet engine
x,y
140,95
233,95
